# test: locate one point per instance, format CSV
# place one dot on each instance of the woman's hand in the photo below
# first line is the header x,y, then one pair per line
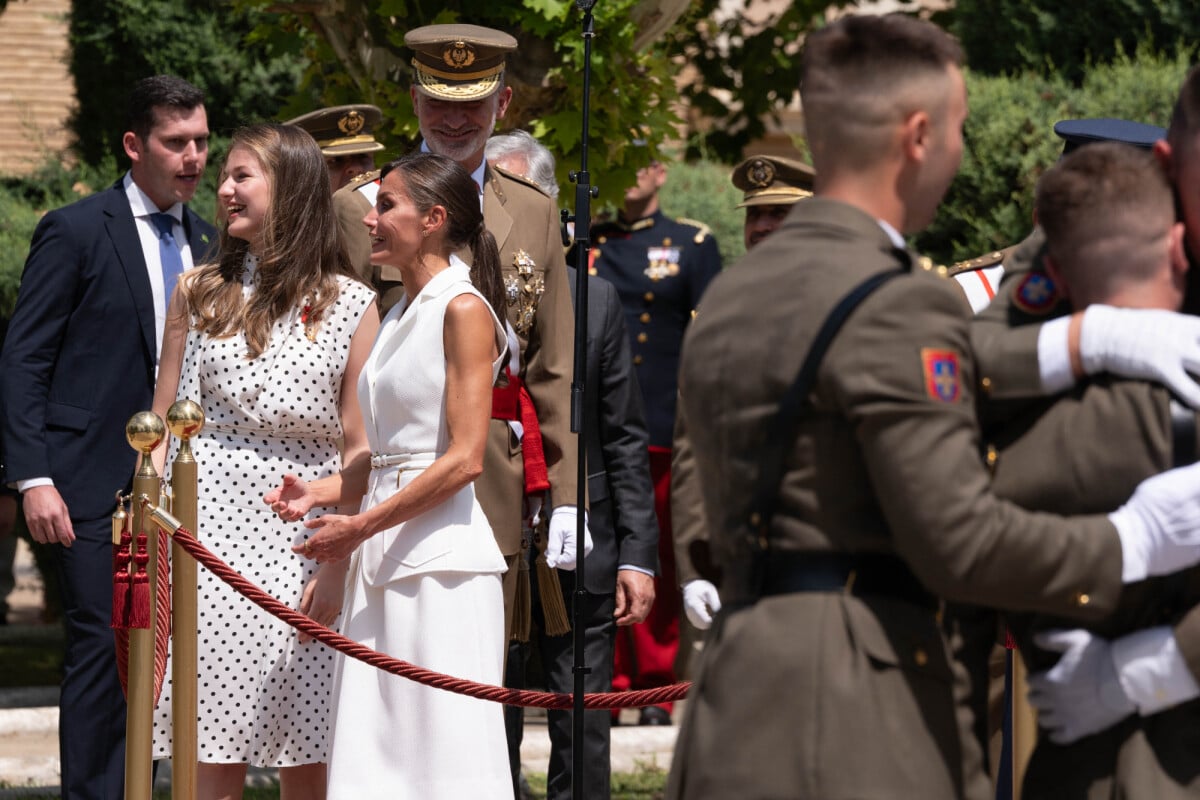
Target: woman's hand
x,y
322,598
335,539
291,500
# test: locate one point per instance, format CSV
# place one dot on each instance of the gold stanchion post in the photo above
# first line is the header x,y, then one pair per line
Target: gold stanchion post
x,y
144,432
185,419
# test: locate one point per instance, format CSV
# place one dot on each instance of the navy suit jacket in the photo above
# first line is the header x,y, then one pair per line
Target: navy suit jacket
x,y
620,493
79,357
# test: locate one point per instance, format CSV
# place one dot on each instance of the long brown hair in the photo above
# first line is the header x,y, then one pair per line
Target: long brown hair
x,y
302,251
433,180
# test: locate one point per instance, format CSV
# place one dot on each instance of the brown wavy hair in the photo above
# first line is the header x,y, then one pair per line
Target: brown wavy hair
x,y
433,180
302,250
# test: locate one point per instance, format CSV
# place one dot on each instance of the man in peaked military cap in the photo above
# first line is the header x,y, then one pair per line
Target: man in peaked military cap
x,y
771,185
660,267
345,135
458,94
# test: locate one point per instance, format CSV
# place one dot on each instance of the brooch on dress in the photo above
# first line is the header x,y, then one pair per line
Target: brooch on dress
x,y
310,322
524,290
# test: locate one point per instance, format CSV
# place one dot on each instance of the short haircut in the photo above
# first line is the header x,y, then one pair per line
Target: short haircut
x,y
1107,211
159,91
862,75
539,159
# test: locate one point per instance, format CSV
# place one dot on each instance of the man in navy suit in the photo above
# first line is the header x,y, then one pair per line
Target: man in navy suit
x,y
79,360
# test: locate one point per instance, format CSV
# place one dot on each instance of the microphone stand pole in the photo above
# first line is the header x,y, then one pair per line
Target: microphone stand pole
x,y
584,192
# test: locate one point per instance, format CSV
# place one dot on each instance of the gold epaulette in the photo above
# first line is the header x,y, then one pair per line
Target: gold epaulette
x,y
701,234
359,180
518,178
926,264
982,262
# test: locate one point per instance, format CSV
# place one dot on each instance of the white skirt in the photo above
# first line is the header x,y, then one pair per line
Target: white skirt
x,y
394,738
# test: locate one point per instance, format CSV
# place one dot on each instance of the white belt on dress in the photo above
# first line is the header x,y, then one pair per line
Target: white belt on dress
x,y
403,460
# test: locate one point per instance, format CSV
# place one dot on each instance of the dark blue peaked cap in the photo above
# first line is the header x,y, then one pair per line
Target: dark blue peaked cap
x,y
1078,132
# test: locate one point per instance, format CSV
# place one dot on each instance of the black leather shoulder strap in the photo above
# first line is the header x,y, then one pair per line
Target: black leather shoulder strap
x,y
781,436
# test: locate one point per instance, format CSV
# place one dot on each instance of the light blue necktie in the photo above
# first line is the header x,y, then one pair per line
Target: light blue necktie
x,y
168,253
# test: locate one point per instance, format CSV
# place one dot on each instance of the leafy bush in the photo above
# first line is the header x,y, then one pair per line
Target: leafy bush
x,y
208,42
1009,142
702,192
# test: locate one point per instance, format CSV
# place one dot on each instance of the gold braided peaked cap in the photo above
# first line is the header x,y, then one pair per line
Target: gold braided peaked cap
x,y
771,180
342,130
458,62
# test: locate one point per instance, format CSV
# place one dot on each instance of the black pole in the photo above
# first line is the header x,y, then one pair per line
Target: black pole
x,y
584,192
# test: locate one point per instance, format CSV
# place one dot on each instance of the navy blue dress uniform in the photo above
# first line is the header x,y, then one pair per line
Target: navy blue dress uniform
x,y
660,267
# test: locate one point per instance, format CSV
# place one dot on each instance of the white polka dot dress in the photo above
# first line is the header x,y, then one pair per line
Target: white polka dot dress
x,y
263,697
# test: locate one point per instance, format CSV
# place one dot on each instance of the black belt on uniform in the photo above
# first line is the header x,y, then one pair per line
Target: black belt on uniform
x,y
788,572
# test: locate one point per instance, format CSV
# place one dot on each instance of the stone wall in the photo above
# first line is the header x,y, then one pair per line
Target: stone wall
x,y
36,89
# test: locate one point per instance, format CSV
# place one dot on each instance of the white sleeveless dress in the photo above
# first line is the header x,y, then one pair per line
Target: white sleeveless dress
x,y
427,591
263,697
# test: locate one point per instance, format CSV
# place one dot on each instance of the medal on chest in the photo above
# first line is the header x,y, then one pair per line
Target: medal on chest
x,y
524,290
663,261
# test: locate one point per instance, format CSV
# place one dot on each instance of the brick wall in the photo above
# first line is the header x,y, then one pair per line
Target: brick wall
x,y
36,90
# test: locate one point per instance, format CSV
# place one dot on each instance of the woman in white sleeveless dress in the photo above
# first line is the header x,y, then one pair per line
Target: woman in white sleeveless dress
x,y
425,570
269,339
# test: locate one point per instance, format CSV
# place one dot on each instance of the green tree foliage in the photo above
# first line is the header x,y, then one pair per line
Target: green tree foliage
x,y
116,42
355,52
1009,36
1009,142
746,68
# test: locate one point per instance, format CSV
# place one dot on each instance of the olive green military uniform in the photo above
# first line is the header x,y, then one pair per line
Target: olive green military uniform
x,y
1107,436
764,181
525,223
850,692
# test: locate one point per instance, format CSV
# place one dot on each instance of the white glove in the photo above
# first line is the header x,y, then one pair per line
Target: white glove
x,y
1153,672
560,538
1081,694
1148,344
1160,525
700,601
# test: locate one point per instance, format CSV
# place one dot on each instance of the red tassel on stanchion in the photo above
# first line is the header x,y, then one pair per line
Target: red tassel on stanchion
x,y
122,539
139,608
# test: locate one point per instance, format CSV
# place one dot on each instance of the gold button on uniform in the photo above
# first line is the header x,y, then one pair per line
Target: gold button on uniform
x,y
920,657
986,384
649,297
641,337
637,359
1081,599
645,317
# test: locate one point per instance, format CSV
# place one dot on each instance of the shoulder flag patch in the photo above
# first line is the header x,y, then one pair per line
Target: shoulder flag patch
x,y
1035,294
943,378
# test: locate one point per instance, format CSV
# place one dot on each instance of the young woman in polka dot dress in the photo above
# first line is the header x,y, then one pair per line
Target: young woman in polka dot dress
x,y
269,339
425,569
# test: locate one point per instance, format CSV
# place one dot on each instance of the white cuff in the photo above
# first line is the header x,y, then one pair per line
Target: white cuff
x,y
30,483
632,568
1135,541
1054,356
1152,670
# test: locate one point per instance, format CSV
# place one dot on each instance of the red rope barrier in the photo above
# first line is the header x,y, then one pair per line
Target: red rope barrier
x,y
395,666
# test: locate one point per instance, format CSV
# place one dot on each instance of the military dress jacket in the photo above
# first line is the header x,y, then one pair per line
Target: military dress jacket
x,y
524,221
660,267
839,694
1005,338
1106,436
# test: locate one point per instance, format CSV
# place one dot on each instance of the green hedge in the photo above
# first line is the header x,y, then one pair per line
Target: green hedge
x,y
1009,142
